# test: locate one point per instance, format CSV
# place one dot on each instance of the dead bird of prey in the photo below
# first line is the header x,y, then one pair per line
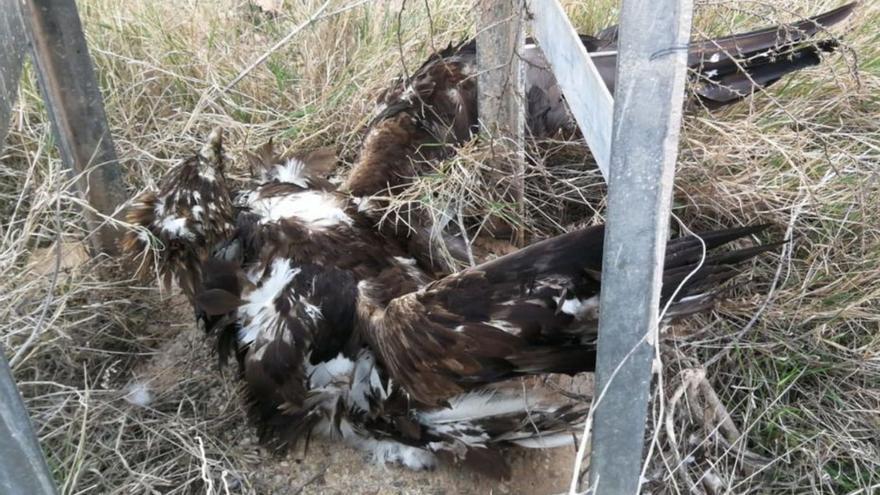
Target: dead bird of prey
x,y
338,332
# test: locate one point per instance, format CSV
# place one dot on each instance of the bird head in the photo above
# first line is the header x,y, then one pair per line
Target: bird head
x,y
211,156
176,226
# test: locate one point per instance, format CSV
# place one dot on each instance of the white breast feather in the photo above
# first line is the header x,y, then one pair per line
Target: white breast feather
x,y
175,227
291,171
316,208
325,373
259,305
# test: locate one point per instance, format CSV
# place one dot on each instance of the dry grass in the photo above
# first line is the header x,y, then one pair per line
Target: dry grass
x,y
793,356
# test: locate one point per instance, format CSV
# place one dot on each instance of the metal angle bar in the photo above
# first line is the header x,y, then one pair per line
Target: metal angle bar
x,y
649,95
24,468
76,108
12,48
585,91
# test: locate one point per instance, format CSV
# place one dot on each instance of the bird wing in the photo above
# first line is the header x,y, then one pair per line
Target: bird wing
x,y
524,313
727,68
437,104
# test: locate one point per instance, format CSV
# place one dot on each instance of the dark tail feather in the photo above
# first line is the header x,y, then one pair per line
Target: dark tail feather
x,y
740,81
688,249
582,249
732,67
566,253
715,53
714,264
700,286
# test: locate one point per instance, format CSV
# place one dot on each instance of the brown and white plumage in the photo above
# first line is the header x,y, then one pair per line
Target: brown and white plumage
x,y
339,333
179,224
288,307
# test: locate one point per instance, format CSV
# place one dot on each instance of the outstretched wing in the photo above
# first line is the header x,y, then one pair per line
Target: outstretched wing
x,y
530,312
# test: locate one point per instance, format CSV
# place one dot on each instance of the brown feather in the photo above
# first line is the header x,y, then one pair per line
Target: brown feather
x,y
506,317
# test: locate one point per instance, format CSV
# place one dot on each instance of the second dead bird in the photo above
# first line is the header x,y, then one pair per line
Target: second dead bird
x,y
418,120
